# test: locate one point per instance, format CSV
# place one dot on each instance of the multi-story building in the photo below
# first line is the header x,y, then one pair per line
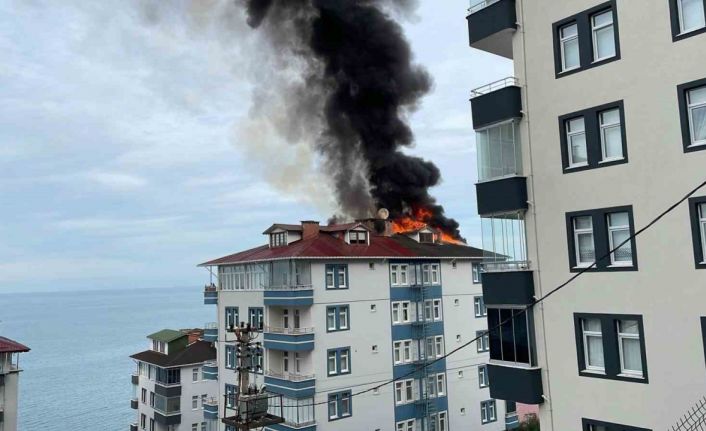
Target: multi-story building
x,y
175,387
601,129
344,308
9,382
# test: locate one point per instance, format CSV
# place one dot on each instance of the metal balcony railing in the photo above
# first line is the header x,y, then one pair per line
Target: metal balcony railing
x,y
503,266
210,325
495,86
210,288
478,6
288,331
213,401
292,377
289,287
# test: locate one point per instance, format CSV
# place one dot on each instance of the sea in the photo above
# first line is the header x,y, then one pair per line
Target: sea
x,y
77,375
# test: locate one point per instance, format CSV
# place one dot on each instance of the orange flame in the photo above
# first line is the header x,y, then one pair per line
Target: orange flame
x,y
419,218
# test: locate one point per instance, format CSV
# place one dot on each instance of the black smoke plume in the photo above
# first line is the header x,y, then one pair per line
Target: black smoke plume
x,y
361,64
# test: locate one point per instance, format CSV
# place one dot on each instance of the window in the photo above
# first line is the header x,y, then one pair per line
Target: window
x,y
499,151
404,391
356,237
256,317
483,376
339,405
230,357
426,237
143,396
587,39
398,275
438,421
203,426
611,135
629,347
401,312
688,18
194,402
338,361
618,233
594,425
511,342
408,425
696,104
278,239
231,394
232,318
425,274
435,278
697,208
487,411
576,139
437,309
151,399
336,276
433,347
143,421
593,344
476,270
337,318
593,234
203,400
583,238
479,307
483,342
194,427
603,35
195,375
611,346
569,39
151,424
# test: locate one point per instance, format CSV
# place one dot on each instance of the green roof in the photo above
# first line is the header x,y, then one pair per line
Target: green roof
x,y
166,335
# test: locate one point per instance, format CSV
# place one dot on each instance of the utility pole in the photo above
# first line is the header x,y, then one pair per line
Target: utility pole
x,y
251,404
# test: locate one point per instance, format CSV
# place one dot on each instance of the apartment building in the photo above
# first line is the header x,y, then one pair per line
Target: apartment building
x,y
600,130
175,385
343,308
9,382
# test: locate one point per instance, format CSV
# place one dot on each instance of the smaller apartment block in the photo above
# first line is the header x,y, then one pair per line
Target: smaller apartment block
x,y
175,387
9,382
343,308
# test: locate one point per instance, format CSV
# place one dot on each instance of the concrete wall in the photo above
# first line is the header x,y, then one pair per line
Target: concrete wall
x,y
667,291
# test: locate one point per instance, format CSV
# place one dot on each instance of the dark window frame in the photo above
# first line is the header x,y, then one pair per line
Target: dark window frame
x,y
684,114
495,409
611,354
480,336
699,258
676,28
335,267
583,23
233,312
338,398
477,269
483,383
600,239
337,371
337,318
259,314
483,307
585,423
496,345
594,148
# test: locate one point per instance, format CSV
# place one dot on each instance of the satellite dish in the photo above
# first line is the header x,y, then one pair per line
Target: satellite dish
x,y
383,213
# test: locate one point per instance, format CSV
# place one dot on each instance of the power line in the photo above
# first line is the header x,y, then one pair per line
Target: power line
x,y
528,307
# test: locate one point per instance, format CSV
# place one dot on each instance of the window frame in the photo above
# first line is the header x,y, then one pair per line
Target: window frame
x,y
594,137
564,40
338,353
611,242
597,28
476,270
485,409
577,233
685,115
483,376
401,306
483,341
584,21
232,313
630,336
585,334
337,310
569,141
677,29
698,230
334,269
337,400
601,240
603,127
611,348
402,387
479,308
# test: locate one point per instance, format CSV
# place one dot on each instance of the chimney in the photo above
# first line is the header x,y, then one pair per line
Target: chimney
x,y
310,229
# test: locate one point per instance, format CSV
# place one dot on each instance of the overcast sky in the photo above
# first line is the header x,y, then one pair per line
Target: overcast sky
x,y
118,166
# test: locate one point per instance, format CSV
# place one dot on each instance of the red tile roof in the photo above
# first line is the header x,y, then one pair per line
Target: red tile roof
x,y
326,246
9,346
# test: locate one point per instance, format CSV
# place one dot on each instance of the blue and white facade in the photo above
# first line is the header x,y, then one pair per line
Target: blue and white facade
x,y
334,326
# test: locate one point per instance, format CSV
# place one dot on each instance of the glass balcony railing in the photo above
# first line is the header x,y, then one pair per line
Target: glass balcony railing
x,y
504,242
498,151
477,6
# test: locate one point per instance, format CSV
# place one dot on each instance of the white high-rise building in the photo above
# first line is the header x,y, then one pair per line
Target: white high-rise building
x,y
602,128
9,382
343,308
173,389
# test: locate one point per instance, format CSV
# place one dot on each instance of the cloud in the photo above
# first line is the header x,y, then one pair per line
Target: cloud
x,y
106,226
116,180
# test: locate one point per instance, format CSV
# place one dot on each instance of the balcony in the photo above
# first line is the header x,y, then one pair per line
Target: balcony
x,y
210,294
210,409
289,339
135,378
210,370
133,404
210,332
289,296
501,196
491,24
512,421
133,427
291,385
504,243
495,102
522,385
508,288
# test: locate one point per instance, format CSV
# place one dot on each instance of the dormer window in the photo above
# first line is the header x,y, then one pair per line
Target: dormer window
x,y
356,237
159,346
278,239
426,237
